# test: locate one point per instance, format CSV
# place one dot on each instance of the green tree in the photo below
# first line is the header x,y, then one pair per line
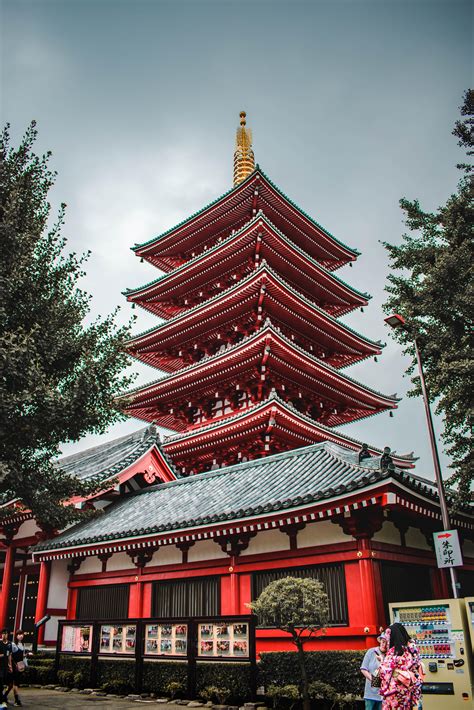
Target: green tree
x,y
299,607
59,378
432,288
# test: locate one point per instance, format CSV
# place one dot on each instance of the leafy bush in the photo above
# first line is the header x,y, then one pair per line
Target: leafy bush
x,y
158,675
118,686
176,689
81,679
225,675
322,691
280,694
340,669
66,678
217,695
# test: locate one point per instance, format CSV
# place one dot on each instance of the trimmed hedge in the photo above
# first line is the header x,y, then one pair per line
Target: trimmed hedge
x,y
158,674
116,671
341,669
76,671
40,670
235,676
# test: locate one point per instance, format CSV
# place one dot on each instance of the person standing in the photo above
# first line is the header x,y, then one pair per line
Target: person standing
x,y
19,665
401,671
370,670
5,665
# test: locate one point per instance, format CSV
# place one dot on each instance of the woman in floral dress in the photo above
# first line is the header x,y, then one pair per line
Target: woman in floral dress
x,y
401,672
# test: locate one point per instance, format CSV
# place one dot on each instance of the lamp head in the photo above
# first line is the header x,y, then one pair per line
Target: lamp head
x,y
395,321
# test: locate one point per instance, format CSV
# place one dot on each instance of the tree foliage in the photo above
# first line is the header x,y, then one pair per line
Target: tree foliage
x,y
431,286
298,606
59,378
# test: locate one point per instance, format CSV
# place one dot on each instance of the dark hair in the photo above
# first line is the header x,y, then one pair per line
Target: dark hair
x,y
18,632
5,631
399,638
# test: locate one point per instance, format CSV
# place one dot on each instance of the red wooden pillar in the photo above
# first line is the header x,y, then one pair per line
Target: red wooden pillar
x,y
42,599
368,589
135,600
234,587
361,525
7,583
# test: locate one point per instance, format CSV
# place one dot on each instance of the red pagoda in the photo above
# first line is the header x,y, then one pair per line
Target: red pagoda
x,y
251,341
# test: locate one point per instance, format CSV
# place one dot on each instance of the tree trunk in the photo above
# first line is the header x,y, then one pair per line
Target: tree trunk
x,y
304,674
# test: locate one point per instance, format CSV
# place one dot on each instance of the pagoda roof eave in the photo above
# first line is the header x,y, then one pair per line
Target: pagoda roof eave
x,y
145,248
264,268
261,335
229,424
360,297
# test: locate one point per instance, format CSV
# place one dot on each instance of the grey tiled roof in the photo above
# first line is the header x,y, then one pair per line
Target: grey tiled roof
x,y
280,482
112,457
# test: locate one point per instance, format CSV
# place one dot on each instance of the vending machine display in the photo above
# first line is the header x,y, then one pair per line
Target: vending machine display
x,y
430,628
439,630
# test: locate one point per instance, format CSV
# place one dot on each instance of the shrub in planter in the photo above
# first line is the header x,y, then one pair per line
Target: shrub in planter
x,y
215,694
66,678
117,686
322,691
175,689
284,696
81,679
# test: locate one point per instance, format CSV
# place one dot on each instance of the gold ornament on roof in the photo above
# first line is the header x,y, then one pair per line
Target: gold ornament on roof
x,y
244,159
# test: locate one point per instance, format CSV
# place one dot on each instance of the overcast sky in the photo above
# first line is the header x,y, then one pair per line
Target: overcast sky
x,y
351,103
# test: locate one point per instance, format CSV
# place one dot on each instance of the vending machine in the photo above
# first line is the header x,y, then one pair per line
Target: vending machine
x,y
469,601
441,632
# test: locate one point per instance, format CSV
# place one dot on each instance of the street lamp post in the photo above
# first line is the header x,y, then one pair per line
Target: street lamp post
x,y
397,321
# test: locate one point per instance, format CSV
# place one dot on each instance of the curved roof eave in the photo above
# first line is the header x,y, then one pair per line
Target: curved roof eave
x,y
234,190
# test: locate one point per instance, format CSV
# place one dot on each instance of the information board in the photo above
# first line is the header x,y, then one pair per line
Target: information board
x,y
76,639
223,640
166,639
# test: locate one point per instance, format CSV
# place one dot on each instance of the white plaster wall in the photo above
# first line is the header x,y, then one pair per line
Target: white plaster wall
x,y
415,538
90,565
267,541
320,533
120,560
27,529
468,548
167,555
57,595
205,550
388,533
51,628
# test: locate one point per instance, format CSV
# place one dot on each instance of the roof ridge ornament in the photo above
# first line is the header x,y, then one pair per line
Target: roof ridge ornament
x,y
244,159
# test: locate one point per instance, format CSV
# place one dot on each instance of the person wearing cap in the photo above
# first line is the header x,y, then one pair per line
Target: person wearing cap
x,y
370,670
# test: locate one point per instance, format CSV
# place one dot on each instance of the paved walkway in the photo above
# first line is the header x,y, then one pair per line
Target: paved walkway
x,y
53,699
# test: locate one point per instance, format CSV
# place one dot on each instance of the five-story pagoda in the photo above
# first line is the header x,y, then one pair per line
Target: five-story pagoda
x,y
251,344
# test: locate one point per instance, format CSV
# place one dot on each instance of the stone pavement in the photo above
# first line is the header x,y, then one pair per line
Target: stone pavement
x,y
53,699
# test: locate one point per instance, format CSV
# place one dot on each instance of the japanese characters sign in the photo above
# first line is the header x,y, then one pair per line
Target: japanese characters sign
x,y
448,550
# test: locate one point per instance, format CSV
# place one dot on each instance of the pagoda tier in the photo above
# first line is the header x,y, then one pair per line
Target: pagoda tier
x,y
232,211
233,258
248,372
262,428
251,307
239,311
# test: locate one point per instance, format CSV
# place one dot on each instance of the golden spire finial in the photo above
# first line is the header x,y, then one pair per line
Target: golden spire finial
x,y
244,160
